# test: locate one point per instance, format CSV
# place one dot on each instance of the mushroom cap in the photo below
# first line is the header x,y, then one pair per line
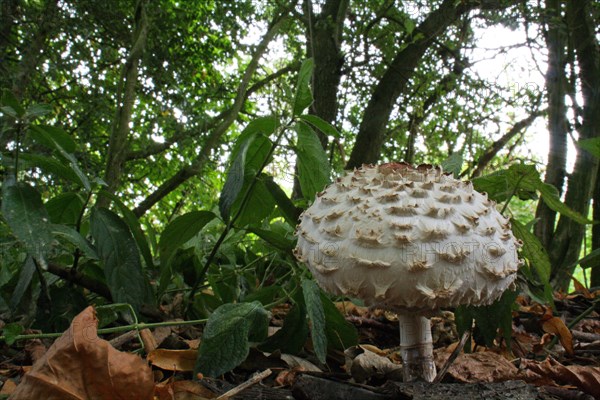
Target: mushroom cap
x,y
408,239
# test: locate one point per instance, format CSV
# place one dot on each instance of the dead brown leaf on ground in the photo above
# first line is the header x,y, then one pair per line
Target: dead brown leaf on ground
x,y
484,366
80,365
182,390
173,360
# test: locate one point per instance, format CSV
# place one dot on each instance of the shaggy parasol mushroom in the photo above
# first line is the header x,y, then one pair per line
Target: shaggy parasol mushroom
x,y
409,240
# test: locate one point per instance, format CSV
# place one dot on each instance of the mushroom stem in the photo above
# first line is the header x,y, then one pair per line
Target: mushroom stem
x,y
416,347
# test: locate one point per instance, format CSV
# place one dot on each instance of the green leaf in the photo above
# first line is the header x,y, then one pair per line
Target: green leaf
x,y
320,124
52,166
316,315
290,212
494,184
273,238
260,203
292,336
37,110
134,225
28,219
180,230
591,260
340,333
65,208
226,339
303,97
75,238
533,250
313,166
120,258
551,197
453,164
591,145
8,99
25,277
11,331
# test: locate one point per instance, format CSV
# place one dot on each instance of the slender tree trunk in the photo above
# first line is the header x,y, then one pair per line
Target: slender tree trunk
x,y
557,124
394,81
565,248
118,145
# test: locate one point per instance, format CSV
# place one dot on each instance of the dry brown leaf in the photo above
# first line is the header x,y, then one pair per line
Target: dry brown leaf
x,y
8,388
478,367
36,349
364,364
173,360
586,378
80,365
182,390
557,327
579,287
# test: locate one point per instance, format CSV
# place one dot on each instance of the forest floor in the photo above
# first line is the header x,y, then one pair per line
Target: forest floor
x,y
551,355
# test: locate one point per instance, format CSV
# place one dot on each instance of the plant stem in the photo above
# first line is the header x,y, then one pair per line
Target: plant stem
x,y
116,329
416,348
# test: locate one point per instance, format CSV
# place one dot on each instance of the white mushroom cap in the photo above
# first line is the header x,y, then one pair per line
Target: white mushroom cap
x,y
404,238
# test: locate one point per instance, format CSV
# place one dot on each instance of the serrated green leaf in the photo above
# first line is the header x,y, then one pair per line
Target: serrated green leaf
x,y
25,277
260,204
320,124
274,239
75,238
494,184
180,230
65,208
340,333
303,97
290,212
226,339
120,258
292,336
591,145
316,315
313,166
551,197
533,250
453,164
28,219
11,331
134,225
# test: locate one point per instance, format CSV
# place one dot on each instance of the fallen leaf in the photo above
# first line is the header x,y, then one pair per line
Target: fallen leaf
x,y
585,378
173,360
8,388
364,364
80,365
182,390
557,327
484,366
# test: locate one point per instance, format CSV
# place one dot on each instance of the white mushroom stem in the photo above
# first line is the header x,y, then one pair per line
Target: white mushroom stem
x,y
416,347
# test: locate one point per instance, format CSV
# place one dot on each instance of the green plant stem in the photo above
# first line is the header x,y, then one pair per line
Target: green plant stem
x,y
116,329
512,194
77,253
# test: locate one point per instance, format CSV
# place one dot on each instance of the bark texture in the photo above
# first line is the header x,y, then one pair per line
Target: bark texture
x,y
557,124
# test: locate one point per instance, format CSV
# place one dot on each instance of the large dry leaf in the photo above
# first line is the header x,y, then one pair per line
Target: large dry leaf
x,y
586,379
173,360
80,365
182,390
484,366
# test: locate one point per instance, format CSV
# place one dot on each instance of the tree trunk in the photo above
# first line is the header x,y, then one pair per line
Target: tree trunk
x,y
557,124
565,248
394,81
118,146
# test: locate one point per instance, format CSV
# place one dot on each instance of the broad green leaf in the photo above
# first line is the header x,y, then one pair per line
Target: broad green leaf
x,y
75,238
260,203
551,197
65,208
273,238
120,258
134,225
591,145
591,260
316,315
303,97
227,337
320,124
52,166
290,212
292,335
341,334
28,219
8,99
525,179
494,184
265,294
60,141
180,230
25,277
313,166
37,110
11,331
533,250
453,164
